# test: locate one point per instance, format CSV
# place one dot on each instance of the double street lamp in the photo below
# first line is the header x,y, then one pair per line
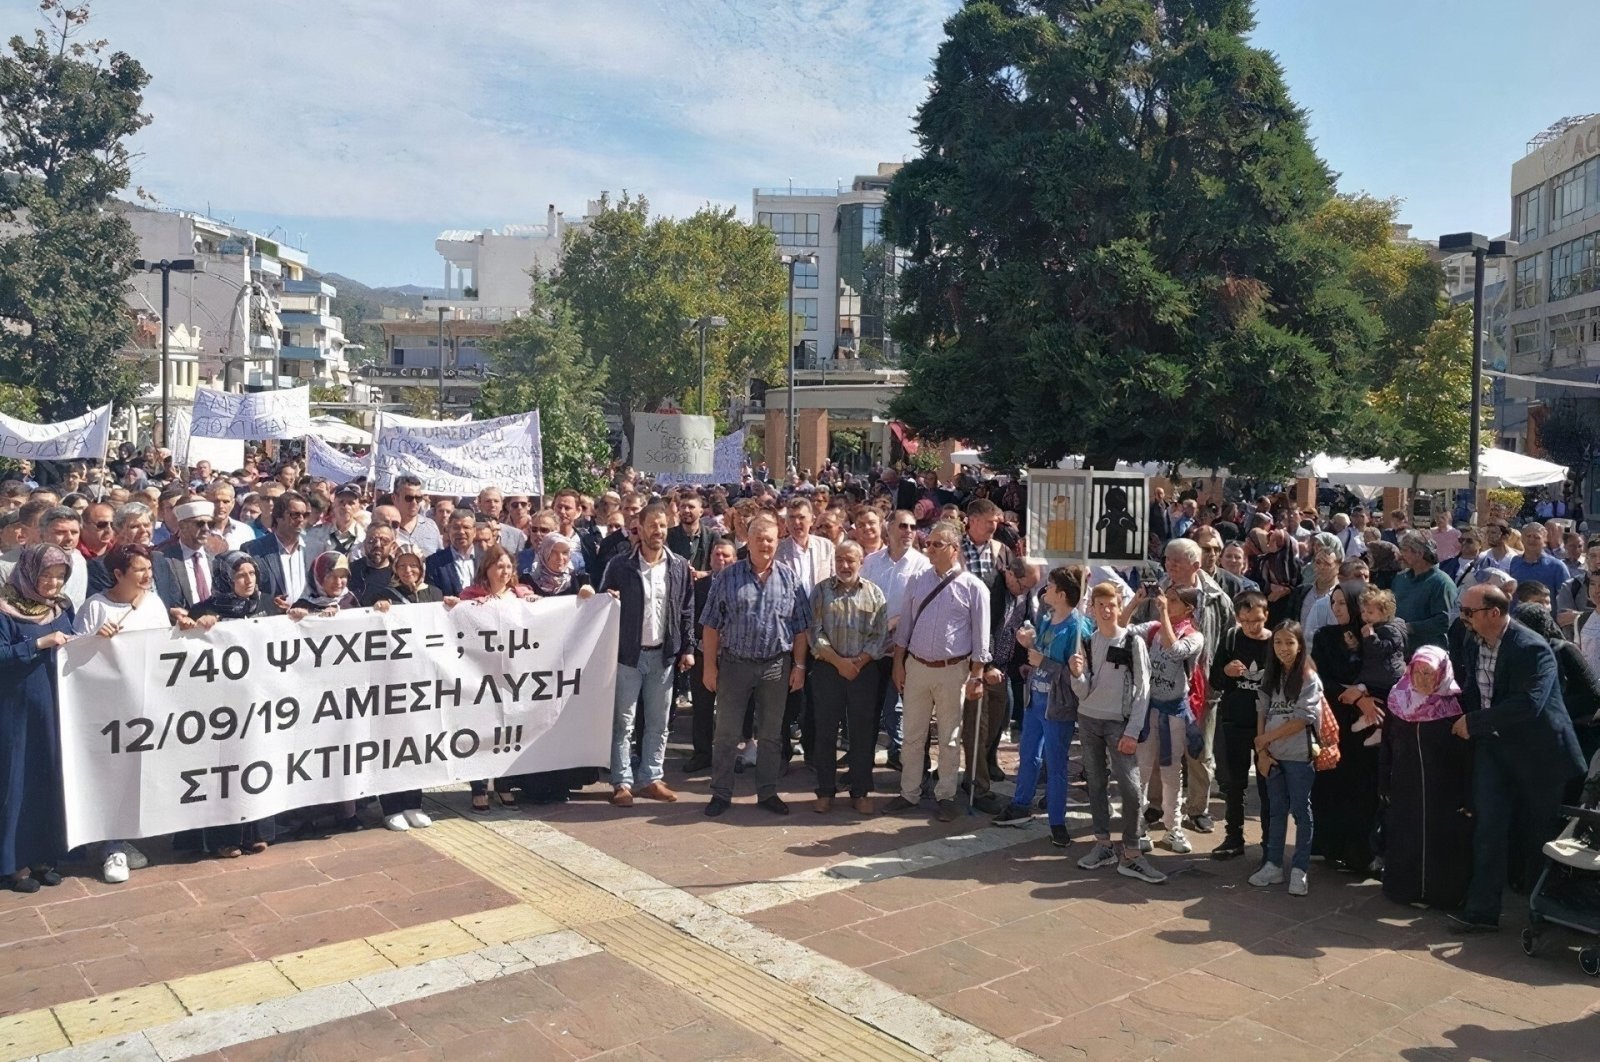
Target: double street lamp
x,y
702,325
1482,249
166,267
789,452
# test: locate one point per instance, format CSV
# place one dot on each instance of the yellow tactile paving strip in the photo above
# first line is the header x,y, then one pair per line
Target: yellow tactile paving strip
x,y
119,1013
551,899
754,999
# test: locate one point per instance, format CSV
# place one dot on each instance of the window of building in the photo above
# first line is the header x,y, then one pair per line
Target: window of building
x,y
1526,292
1572,268
1574,194
806,309
1525,338
1525,222
805,274
1569,330
792,230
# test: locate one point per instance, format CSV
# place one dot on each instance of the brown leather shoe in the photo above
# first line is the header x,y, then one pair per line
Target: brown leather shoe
x,y
864,805
623,797
658,790
823,805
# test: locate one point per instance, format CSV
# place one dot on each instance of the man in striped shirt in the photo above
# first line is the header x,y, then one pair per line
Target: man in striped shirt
x,y
850,628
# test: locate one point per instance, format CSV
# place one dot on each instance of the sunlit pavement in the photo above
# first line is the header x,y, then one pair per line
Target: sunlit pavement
x,y
582,930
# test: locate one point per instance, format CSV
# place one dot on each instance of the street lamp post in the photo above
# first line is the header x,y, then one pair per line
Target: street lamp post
x,y
1482,249
702,324
166,267
789,451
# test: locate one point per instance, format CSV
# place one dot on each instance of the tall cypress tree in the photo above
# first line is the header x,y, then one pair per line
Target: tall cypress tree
x,y
1110,243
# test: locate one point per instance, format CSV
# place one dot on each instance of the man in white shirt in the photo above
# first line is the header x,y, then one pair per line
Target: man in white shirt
x,y
890,569
223,525
810,557
283,567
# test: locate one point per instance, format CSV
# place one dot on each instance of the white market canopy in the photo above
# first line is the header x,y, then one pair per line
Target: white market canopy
x,y
332,430
1496,468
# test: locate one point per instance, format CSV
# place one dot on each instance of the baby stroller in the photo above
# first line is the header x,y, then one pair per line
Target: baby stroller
x,y
1568,891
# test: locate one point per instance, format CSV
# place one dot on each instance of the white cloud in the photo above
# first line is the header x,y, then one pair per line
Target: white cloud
x,y
469,111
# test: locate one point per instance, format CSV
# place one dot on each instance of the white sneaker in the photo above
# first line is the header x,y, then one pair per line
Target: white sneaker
x,y
1101,855
419,820
137,860
115,869
1269,874
1298,885
397,822
1178,841
1146,845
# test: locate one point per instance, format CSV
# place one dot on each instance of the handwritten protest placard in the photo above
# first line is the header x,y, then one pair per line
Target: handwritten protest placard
x,y
225,455
262,415
165,731
727,464
326,462
461,459
80,437
674,443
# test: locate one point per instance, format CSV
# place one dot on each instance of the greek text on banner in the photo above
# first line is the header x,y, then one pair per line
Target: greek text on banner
x,y
333,464
80,437
451,457
162,731
260,415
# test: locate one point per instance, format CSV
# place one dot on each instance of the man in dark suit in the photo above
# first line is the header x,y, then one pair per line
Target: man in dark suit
x,y
692,539
453,568
181,569
1525,748
283,567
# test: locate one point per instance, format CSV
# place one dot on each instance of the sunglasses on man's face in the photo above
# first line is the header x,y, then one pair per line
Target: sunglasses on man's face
x,y
103,525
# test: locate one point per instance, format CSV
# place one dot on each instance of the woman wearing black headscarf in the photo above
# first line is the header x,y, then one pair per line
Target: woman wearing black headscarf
x,y
1344,801
35,620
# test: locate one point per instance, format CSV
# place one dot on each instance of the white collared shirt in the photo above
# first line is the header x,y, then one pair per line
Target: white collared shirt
x,y
188,572
891,575
294,569
654,578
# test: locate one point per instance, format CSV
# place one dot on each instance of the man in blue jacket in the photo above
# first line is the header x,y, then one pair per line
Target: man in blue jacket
x,y
1525,748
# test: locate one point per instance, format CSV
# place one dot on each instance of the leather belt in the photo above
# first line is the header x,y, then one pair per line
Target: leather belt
x,y
651,648
936,663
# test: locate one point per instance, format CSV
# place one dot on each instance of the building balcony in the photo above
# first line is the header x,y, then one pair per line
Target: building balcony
x,y
263,342
309,287
302,319
265,266
295,353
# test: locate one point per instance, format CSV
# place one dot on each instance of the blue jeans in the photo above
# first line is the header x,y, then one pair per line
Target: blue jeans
x,y
890,718
1289,793
1048,740
653,680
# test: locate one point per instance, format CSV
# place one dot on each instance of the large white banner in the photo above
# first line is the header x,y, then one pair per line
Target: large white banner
x,y
81,437
327,462
261,415
727,464
225,455
461,458
673,443
162,731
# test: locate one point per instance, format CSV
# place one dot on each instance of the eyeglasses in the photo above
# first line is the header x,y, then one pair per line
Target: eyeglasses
x,y
518,504
941,545
411,497
1468,613
297,514
104,525
906,526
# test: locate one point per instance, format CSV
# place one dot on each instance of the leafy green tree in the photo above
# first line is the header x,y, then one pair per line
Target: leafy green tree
x,y
1110,244
539,363
633,285
66,111
1425,409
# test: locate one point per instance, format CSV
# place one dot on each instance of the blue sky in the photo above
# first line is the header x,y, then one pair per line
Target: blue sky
x,y
361,128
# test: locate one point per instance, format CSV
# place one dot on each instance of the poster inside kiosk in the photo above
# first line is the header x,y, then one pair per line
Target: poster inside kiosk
x,y
165,731
1082,516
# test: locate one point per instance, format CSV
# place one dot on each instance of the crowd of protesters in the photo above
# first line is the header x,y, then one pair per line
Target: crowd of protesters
x,y
843,618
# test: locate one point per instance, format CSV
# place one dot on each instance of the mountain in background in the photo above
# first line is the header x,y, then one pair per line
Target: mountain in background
x,y
362,307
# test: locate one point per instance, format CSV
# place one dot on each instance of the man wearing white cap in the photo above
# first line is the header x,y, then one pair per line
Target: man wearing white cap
x,y
182,569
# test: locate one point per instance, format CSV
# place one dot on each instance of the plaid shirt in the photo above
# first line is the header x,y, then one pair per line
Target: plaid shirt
x,y
756,620
850,622
1488,656
979,559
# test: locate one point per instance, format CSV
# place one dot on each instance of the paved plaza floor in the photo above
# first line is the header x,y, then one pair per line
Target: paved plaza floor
x,y
583,931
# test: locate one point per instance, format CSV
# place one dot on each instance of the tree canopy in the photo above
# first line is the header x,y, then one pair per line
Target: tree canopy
x,y
539,363
1114,244
66,111
634,285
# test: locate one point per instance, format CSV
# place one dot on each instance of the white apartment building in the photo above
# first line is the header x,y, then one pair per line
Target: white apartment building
x,y
1553,320
495,267
248,299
